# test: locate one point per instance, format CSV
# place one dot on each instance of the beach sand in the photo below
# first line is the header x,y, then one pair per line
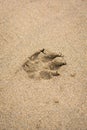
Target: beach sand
x,y
27,26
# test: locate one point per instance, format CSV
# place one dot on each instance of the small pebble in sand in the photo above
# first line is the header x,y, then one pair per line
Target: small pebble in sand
x,y
73,74
56,101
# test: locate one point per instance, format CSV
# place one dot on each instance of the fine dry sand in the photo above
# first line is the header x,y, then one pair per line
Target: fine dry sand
x,y
27,26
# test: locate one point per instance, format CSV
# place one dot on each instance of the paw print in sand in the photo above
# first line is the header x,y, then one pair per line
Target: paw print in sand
x,y
43,64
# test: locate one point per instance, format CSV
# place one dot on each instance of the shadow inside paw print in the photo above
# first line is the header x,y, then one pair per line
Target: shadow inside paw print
x,y
43,64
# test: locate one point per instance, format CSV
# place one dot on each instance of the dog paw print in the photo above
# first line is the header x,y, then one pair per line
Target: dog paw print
x,y
43,64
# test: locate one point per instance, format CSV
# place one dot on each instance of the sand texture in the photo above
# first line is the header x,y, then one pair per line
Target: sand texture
x,y
43,64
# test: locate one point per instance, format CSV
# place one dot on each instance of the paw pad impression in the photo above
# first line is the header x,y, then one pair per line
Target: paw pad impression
x,y
43,64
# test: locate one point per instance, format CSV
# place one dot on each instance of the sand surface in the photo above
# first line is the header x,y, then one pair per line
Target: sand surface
x,y
25,27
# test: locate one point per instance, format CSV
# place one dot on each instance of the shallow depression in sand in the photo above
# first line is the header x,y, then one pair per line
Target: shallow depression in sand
x,y
43,64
